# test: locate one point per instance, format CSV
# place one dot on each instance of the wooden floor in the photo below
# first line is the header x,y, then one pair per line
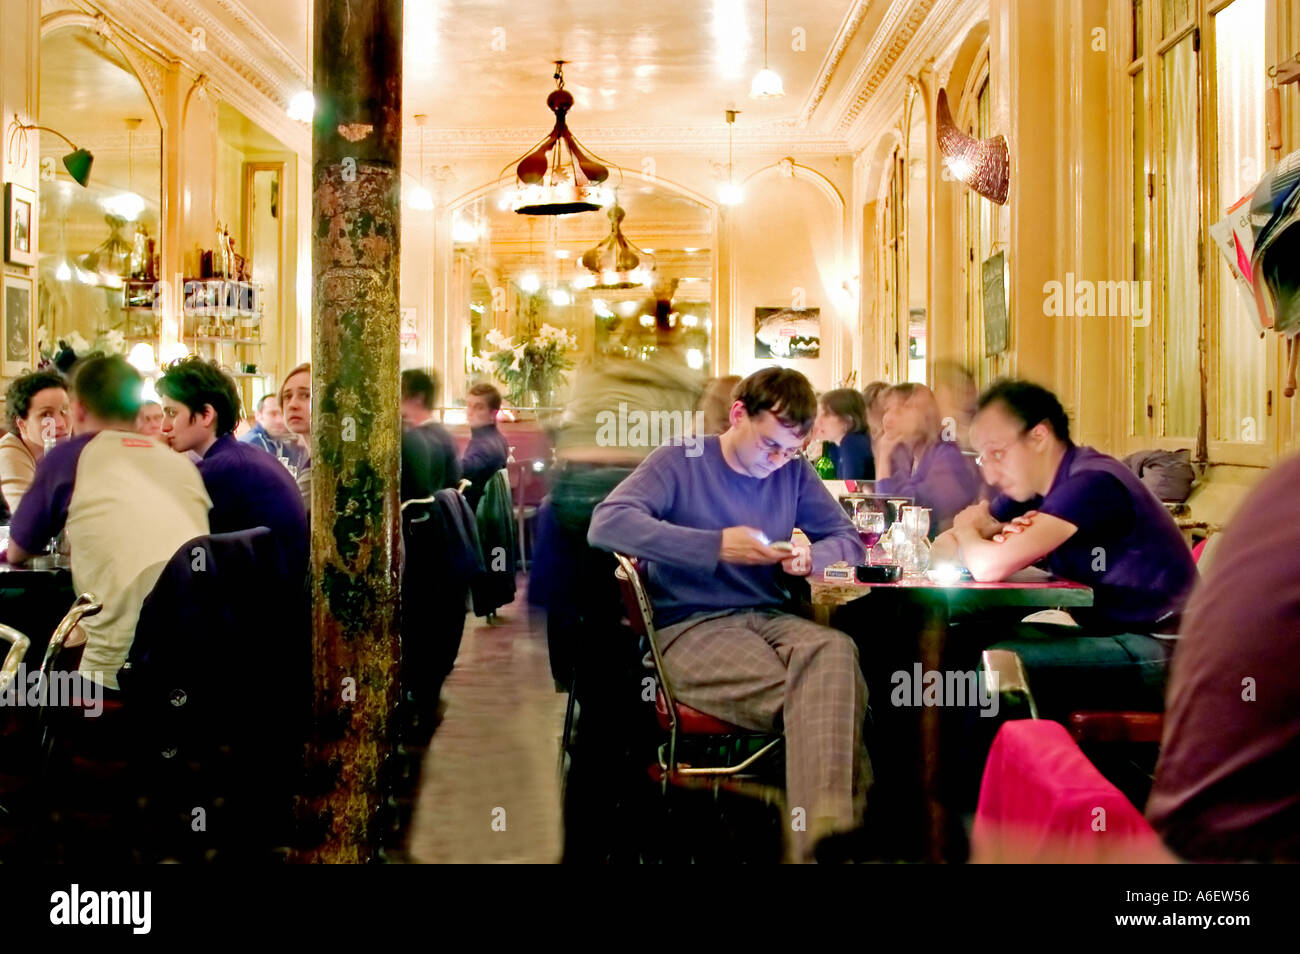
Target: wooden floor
x,y
489,792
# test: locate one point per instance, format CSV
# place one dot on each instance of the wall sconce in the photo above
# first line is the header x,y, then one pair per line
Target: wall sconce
x,y
983,165
77,162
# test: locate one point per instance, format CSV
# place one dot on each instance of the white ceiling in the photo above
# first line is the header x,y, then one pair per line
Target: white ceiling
x,y
479,67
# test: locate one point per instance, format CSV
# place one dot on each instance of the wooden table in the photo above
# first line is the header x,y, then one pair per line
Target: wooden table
x,y
939,604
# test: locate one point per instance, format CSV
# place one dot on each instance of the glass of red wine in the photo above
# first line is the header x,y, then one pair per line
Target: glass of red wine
x,y
870,524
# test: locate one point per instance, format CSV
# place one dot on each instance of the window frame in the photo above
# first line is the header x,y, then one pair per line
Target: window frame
x,y
1150,67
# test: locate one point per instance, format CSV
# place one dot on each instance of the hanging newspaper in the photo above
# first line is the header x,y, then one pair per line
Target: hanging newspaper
x,y
1260,240
1274,261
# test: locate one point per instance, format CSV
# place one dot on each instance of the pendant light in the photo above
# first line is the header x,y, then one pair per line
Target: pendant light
x,y
557,177
127,205
616,262
766,83
730,193
421,199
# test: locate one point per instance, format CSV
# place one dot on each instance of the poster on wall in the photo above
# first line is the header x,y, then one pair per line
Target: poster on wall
x,y
17,330
787,332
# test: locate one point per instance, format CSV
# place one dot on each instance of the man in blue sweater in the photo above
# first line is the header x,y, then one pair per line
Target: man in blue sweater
x,y
705,522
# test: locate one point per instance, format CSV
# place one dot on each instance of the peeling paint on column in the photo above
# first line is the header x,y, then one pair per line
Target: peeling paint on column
x,y
355,520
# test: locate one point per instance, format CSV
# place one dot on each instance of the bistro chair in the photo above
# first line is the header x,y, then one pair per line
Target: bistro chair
x,y
700,748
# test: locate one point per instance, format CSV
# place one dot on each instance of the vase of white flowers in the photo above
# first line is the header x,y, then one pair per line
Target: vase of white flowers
x,y
532,367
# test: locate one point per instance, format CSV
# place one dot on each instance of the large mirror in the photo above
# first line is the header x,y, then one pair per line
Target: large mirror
x,y
95,239
516,273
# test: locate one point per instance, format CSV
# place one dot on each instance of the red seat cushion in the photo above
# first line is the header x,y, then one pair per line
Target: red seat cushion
x,y
692,721
1116,726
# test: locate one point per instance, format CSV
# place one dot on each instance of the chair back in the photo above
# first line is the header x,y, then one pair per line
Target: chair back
x,y
18,644
640,614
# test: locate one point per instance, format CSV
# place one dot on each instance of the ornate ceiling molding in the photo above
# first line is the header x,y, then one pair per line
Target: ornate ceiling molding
x,y
832,60
897,29
245,67
947,24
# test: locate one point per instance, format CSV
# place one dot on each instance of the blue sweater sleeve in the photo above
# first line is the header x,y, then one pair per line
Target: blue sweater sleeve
x,y
821,517
630,520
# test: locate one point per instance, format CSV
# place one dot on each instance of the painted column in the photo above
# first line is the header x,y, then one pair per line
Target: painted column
x,y
355,522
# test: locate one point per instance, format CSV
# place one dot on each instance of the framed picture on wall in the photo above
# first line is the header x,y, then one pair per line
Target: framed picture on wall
x,y
787,332
20,224
17,328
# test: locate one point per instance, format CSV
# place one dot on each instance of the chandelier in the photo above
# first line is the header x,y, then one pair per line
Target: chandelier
x,y
615,261
557,177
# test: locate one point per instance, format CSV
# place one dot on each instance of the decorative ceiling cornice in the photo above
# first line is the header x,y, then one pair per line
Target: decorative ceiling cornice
x,y
947,23
249,69
897,28
832,60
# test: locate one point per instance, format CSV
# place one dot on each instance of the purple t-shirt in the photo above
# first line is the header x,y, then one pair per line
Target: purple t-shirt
x,y
1127,548
673,508
250,488
945,480
44,518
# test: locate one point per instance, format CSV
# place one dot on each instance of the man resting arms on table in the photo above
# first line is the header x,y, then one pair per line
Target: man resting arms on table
x,y
1090,520
703,514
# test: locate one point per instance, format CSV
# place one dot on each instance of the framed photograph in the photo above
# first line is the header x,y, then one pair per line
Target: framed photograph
x,y
787,332
20,224
18,332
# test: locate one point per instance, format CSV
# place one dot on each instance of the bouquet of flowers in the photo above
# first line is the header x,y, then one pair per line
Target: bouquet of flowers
x,y
62,355
532,367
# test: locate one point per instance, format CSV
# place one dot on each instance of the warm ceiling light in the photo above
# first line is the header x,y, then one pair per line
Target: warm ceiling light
x,y
616,260
766,84
77,162
421,198
982,164
557,177
462,232
125,205
560,297
530,283
302,106
730,192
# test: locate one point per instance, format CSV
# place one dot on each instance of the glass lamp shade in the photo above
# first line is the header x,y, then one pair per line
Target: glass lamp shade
x,y
78,164
766,85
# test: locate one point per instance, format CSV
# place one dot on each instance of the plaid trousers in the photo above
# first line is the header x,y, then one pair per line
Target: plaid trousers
x,y
766,670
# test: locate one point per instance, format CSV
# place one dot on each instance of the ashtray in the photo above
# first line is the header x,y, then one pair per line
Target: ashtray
x,y
878,572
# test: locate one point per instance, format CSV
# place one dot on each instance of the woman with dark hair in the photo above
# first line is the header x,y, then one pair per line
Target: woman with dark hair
x,y
37,406
842,424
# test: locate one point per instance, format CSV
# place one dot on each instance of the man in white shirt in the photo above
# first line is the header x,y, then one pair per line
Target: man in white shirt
x,y
127,502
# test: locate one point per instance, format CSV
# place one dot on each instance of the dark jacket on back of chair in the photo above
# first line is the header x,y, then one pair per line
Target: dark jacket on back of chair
x,y
496,531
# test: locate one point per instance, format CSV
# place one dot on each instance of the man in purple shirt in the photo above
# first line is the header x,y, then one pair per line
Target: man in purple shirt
x,y
1089,520
930,468
249,488
704,517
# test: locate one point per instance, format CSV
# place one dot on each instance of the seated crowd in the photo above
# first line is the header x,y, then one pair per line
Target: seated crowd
x,y
727,525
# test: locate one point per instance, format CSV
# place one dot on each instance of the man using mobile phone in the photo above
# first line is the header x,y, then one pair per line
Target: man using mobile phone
x,y
705,524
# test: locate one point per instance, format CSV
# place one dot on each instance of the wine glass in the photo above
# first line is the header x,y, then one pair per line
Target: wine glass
x,y
870,524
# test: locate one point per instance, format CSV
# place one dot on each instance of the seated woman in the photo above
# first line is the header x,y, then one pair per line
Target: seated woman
x,y
914,460
1091,521
842,424
295,400
37,403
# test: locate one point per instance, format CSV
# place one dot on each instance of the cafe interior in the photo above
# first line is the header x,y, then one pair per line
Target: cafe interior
x,y
931,251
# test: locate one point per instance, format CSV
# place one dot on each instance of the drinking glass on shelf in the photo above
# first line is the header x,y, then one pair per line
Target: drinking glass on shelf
x,y
870,524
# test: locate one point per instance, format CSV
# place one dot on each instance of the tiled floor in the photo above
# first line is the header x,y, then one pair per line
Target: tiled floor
x,y
489,791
